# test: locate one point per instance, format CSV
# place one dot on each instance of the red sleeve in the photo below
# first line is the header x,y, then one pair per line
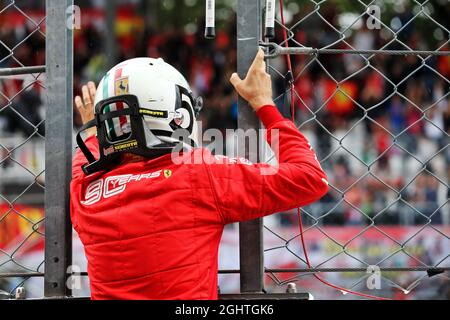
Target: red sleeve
x,y
247,191
79,158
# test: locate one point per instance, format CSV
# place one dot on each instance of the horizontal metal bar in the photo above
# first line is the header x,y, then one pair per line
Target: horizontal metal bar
x,y
21,71
276,50
234,296
21,275
266,296
82,274
267,270
386,269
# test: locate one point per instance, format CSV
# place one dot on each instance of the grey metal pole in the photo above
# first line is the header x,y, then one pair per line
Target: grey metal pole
x,y
58,147
151,13
110,33
250,233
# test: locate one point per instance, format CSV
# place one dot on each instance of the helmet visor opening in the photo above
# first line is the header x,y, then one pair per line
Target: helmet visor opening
x,y
117,128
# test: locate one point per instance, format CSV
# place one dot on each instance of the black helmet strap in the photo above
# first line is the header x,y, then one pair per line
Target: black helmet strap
x,y
140,140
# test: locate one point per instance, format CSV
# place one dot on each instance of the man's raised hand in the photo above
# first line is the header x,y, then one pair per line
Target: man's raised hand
x,y
85,105
256,88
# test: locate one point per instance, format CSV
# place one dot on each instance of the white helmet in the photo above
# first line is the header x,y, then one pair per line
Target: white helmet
x,y
143,106
156,84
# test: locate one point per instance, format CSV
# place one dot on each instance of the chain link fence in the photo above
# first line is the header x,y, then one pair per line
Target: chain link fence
x,y
22,140
370,84
35,154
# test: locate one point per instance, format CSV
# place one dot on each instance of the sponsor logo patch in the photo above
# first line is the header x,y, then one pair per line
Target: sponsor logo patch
x,y
122,86
108,151
126,146
154,113
114,185
167,173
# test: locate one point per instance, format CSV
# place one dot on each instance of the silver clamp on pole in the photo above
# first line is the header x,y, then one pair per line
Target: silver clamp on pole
x,y
20,293
291,288
275,50
270,19
210,28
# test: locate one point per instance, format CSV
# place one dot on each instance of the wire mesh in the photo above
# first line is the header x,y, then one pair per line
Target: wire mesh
x,y
371,92
373,102
22,138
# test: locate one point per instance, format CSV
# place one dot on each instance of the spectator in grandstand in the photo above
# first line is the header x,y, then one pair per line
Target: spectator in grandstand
x,y
151,218
22,115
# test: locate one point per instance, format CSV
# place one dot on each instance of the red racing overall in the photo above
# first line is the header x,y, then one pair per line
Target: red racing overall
x,y
151,229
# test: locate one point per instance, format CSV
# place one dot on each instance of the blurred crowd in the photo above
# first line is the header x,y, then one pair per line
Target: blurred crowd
x,y
206,64
386,113
340,100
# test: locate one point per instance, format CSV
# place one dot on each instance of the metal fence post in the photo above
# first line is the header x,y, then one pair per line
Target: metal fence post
x,y
110,37
58,148
250,233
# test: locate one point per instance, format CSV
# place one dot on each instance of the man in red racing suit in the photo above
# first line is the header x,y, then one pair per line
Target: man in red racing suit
x,y
151,228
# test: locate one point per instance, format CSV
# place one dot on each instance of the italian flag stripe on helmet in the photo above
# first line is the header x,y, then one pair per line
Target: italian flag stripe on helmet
x,y
119,105
110,122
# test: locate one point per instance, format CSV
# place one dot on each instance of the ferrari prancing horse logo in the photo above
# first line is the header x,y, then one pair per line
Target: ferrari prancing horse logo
x,y
122,86
167,173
